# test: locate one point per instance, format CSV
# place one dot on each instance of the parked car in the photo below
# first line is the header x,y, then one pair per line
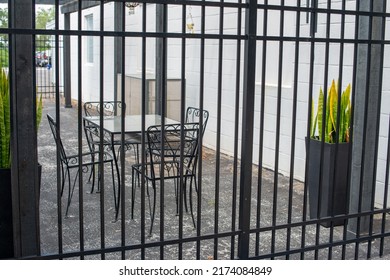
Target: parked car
x,y
42,59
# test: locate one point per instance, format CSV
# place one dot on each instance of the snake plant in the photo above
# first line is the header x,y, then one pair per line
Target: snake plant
x,y
5,122
330,127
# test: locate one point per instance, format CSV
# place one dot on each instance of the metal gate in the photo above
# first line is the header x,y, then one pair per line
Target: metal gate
x,y
45,81
270,120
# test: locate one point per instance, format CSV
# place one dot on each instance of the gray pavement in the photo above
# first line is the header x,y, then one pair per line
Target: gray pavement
x,y
211,210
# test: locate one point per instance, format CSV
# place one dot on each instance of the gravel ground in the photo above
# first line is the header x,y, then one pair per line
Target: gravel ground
x,y
217,215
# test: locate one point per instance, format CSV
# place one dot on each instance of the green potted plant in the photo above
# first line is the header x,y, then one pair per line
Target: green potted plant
x,y
6,238
328,168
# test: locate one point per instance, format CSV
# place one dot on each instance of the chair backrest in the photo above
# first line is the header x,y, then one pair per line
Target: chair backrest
x,y
193,115
173,143
57,138
108,108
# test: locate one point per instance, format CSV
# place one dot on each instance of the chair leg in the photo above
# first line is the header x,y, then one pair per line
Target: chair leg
x,y
92,173
113,180
152,210
98,186
116,203
133,192
63,179
176,182
190,198
185,191
136,153
195,181
71,190
93,177
117,153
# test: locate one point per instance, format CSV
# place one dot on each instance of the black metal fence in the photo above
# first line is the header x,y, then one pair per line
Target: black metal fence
x,y
45,76
263,188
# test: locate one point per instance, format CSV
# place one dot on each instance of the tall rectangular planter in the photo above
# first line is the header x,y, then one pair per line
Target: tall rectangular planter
x,y
6,231
332,187
6,220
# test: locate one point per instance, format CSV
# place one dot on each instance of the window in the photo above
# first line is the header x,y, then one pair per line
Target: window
x,y
89,43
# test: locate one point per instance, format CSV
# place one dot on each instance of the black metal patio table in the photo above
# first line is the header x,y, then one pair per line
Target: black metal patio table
x,y
112,127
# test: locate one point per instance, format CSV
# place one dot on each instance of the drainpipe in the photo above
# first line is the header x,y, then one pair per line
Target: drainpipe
x,y
247,129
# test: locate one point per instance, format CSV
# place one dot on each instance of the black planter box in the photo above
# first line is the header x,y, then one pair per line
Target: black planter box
x,y
6,231
334,171
6,227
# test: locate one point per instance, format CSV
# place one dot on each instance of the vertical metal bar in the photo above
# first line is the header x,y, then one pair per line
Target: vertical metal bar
x,y
314,18
101,135
293,130
321,173
159,57
261,129
309,112
307,13
143,140
67,63
57,110
35,89
122,193
24,157
247,128
79,132
353,93
339,90
236,131
201,101
325,103
118,6
34,47
182,120
277,130
218,140
162,104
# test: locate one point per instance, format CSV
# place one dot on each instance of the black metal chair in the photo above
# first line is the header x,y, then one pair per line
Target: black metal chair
x,y
92,133
178,153
72,162
194,115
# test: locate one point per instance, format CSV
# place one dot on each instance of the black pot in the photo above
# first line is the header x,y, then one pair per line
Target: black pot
x,y
6,226
334,180
6,231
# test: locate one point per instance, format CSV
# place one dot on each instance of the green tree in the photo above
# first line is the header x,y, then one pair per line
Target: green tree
x,y
3,38
43,17
3,17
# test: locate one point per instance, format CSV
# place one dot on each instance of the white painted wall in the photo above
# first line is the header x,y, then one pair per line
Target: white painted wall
x,y
133,63
90,71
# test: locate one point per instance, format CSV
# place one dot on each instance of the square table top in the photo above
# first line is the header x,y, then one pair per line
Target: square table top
x,y
133,123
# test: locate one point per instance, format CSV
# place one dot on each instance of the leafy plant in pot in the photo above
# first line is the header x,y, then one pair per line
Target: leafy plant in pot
x,y
6,235
327,181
